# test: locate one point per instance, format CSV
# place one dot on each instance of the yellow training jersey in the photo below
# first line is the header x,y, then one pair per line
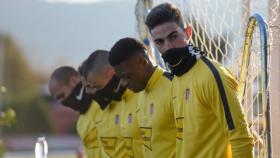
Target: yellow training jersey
x,y
156,118
86,129
210,120
129,126
109,133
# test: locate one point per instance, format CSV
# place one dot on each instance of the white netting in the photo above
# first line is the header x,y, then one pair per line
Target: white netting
x,y
218,29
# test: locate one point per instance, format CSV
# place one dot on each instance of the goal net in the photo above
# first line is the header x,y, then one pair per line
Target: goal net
x,y
219,29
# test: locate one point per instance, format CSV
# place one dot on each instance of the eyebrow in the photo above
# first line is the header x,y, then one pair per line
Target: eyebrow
x,y
170,34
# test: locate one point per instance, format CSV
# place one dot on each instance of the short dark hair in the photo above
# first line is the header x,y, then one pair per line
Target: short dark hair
x,y
95,62
125,48
162,13
63,74
81,68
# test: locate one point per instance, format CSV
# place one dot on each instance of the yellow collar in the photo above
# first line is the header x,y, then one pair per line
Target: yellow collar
x,y
127,94
154,79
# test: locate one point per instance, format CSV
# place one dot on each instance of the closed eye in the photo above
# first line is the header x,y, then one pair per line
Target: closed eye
x,y
173,36
123,75
159,41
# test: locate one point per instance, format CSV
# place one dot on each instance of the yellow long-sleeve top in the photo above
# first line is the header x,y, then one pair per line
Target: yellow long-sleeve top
x,y
109,133
86,129
156,118
129,126
210,119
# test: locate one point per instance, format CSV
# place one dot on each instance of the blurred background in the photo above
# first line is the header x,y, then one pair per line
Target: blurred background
x,y
36,36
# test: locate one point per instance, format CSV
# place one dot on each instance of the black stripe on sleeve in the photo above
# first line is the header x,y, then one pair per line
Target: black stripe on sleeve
x,y
222,92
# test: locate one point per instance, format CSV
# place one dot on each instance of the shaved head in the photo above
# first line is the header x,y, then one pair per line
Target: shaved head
x,y
97,71
96,62
62,74
62,82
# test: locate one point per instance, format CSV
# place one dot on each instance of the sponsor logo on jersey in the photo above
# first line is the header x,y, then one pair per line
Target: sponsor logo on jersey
x,y
180,127
90,140
109,144
146,134
128,146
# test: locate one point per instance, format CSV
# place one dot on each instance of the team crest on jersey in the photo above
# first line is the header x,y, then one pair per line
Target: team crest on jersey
x,y
129,118
117,119
152,108
90,140
187,94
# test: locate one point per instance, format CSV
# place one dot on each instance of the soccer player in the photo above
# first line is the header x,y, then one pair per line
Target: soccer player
x,y
210,118
155,113
65,86
117,126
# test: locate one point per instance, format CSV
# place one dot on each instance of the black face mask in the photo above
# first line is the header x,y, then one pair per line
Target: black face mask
x,y
179,60
78,100
112,91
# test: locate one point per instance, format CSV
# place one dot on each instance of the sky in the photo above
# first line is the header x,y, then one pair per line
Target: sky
x,y
52,33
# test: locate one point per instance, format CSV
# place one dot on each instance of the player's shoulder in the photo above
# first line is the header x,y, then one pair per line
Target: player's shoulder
x,y
212,65
166,75
80,125
207,66
214,70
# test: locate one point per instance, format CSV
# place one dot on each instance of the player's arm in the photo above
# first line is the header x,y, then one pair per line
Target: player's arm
x,y
79,132
223,95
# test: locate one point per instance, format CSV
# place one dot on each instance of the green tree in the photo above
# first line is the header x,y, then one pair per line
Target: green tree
x,y
23,93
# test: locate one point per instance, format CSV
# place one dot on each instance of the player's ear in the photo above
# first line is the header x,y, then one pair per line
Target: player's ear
x,y
110,72
74,80
188,31
143,60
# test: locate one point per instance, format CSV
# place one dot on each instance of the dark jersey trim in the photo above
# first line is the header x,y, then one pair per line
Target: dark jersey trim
x,y
222,92
168,75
